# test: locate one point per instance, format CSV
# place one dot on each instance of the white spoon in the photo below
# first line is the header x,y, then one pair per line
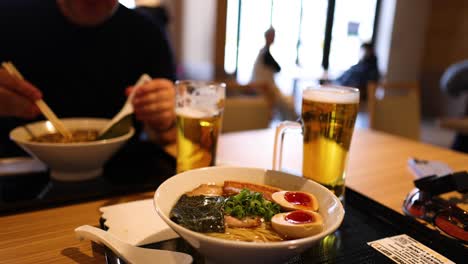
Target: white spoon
x,y
122,122
129,253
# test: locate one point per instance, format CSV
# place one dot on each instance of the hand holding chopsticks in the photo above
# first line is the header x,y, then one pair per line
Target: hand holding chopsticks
x,y
46,111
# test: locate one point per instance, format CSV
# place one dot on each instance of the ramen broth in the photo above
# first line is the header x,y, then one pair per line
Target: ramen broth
x,y
77,136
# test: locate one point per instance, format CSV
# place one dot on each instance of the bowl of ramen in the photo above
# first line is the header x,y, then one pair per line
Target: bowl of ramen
x,y
247,215
80,158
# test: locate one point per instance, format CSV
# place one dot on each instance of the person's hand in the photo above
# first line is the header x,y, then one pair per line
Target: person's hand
x,y
154,104
17,97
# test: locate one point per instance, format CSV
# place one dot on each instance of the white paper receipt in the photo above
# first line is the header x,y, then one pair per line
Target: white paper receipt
x,y
405,249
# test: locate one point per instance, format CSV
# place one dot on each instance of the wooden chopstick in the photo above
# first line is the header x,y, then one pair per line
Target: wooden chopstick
x,y
49,114
45,109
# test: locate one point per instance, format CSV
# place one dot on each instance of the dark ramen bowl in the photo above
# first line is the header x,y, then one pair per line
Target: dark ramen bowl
x,y
219,250
74,161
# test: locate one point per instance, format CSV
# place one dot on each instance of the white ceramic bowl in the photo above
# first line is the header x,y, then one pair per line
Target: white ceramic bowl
x,y
225,251
70,161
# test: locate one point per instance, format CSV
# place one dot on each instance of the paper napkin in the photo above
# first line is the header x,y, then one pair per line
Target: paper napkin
x,y
137,223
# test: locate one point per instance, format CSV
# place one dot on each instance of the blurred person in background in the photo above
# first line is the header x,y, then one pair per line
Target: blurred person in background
x,y
364,71
454,82
265,68
81,56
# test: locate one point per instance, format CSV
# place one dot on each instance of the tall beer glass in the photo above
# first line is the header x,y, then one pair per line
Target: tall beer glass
x,y
199,110
328,117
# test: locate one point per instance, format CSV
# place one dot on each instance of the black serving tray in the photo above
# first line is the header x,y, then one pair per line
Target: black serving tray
x,y
365,221
137,167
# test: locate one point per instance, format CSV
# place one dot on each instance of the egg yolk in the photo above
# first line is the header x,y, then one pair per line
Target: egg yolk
x,y
298,198
299,217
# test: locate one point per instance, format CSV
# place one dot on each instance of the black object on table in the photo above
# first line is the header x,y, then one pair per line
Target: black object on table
x,y
365,221
138,166
435,185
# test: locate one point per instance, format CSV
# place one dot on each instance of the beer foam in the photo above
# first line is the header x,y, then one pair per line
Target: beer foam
x,y
332,95
192,112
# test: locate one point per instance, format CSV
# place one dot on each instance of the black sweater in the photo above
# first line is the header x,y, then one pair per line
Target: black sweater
x,y
82,71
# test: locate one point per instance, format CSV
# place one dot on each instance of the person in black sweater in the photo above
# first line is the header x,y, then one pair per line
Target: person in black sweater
x,y
80,56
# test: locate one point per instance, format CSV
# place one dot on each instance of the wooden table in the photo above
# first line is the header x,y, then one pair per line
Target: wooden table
x,y
377,168
377,163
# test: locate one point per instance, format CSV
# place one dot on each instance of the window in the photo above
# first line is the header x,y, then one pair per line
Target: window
x,y
311,36
353,23
128,3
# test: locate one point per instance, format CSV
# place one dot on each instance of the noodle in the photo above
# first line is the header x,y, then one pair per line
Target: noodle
x,y
263,233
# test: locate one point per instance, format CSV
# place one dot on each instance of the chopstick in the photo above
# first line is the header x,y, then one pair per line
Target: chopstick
x,y
46,111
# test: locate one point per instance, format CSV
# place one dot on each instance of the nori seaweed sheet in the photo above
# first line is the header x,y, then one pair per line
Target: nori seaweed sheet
x,y
200,213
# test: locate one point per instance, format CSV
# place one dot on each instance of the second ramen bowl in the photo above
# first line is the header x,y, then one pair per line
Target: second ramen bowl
x,y
70,161
218,250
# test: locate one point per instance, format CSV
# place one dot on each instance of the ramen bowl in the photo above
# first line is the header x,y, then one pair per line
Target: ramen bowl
x,y
75,161
218,250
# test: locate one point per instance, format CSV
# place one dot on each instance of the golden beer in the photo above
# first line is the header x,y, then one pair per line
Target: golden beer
x,y
328,116
197,137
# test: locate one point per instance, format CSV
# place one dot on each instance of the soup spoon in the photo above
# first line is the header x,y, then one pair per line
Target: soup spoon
x,y
122,122
129,253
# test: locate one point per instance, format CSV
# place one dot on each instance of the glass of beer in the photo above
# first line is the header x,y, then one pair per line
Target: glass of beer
x,y
199,110
327,123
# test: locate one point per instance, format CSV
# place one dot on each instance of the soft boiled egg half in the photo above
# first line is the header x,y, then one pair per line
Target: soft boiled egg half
x,y
297,224
292,200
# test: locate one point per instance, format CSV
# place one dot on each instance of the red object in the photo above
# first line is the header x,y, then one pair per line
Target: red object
x,y
452,226
416,210
299,217
298,198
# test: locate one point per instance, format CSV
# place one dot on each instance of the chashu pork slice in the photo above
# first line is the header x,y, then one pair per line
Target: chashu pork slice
x,y
233,187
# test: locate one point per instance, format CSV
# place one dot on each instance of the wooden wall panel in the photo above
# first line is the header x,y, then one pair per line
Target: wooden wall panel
x,y
446,43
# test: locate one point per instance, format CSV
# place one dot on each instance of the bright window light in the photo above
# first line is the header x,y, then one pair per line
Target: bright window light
x,y
128,3
353,25
300,37
230,48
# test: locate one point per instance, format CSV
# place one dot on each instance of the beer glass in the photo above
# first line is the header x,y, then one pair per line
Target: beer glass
x,y
327,123
199,110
